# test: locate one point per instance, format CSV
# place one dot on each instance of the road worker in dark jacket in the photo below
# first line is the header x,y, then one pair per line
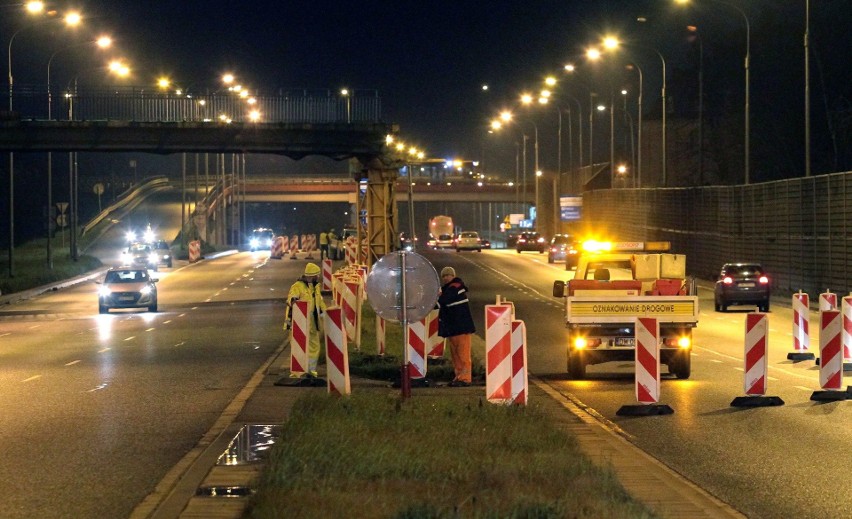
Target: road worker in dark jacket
x,y
456,324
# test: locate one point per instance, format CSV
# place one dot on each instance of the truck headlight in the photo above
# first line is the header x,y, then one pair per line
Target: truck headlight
x,y
254,242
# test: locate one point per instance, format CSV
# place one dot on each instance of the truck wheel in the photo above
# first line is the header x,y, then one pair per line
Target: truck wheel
x,y
576,366
681,365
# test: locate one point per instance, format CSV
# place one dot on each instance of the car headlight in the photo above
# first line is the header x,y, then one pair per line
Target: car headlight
x,y
153,258
104,291
130,236
254,242
145,290
149,236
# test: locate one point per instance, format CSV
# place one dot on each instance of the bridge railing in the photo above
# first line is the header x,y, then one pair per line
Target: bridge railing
x,y
150,105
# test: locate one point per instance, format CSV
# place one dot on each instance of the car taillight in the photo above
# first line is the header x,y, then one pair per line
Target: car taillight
x,y
522,240
727,280
763,280
541,240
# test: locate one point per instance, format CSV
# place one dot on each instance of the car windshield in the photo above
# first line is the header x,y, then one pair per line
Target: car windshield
x,y
469,235
162,244
139,248
561,239
445,237
126,276
743,270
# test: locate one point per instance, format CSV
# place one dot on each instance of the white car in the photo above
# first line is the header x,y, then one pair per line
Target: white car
x,y
127,287
468,240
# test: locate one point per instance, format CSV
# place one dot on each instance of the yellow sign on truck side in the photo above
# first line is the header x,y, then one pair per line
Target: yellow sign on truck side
x,y
603,309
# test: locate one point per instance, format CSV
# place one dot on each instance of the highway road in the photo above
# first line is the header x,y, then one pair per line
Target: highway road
x,y
785,461
97,408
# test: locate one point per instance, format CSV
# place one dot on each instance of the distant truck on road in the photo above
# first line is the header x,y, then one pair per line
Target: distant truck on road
x,y
441,232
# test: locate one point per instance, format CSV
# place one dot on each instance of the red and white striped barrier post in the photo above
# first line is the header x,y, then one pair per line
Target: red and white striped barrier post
x,y
326,275
756,364
831,356
647,332
352,310
276,250
801,332
498,353
381,328
827,301
846,310
336,353
310,241
194,251
520,381
299,338
434,342
415,343
294,246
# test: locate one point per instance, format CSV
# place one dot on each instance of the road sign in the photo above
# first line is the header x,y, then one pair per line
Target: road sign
x,y
98,189
62,206
62,220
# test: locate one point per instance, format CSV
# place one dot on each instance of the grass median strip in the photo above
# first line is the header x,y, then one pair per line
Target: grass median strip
x,y
374,455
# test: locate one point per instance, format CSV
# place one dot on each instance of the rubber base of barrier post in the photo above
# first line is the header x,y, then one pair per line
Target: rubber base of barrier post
x,y
832,396
645,410
756,401
800,356
306,381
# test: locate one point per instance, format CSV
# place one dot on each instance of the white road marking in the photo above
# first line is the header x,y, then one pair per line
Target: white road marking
x,y
803,388
102,386
182,315
772,378
5,334
717,361
104,350
34,377
167,322
150,329
72,362
130,338
739,369
34,327
181,343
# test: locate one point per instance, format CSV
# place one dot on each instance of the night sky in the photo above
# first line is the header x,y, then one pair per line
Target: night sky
x,y
429,60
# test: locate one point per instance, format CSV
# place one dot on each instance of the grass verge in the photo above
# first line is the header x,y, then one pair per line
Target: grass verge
x,y
31,269
373,455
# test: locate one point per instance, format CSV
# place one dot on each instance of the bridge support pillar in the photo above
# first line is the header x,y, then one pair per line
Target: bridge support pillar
x,y
380,202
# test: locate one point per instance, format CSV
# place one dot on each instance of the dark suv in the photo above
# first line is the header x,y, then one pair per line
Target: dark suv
x,y
530,241
563,248
742,284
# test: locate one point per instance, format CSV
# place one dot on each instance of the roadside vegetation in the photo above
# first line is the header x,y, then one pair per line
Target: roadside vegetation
x,y
31,268
373,454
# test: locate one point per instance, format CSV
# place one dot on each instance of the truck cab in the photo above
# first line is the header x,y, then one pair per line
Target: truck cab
x,y
613,285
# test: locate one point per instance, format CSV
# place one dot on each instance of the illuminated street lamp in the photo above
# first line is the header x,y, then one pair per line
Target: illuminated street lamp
x,y
72,19
613,43
344,92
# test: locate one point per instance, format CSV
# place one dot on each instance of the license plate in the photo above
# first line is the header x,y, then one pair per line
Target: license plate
x,y
746,285
125,298
625,341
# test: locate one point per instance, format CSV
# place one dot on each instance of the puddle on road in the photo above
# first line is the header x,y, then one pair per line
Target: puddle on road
x,y
251,444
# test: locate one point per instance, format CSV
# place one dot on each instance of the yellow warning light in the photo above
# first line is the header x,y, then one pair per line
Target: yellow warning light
x,y
684,342
596,246
579,343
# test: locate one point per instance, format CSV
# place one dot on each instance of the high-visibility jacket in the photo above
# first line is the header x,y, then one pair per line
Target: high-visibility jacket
x,y
303,291
323,238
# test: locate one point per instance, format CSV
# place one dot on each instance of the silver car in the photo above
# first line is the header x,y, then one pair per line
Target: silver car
x,y
127,287
468,240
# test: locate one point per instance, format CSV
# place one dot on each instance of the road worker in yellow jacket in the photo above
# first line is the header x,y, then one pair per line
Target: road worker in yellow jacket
x,y
308,288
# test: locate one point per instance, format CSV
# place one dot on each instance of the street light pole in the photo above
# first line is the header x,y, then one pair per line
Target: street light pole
x,y
807,90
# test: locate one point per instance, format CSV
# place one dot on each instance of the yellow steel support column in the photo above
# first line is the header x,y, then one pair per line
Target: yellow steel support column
x,y
381,211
